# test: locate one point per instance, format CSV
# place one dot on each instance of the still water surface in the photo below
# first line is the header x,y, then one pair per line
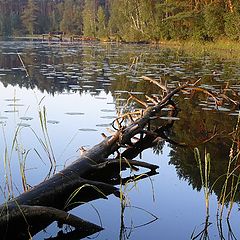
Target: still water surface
x,y
83,87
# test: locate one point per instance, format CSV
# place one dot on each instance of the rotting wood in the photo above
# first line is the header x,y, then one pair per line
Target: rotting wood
x,y
92,176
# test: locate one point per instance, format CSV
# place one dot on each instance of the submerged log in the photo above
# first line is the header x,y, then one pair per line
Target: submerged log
x,y
92,176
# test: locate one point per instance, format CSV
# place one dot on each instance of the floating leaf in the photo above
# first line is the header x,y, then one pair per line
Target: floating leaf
x,y
74,113
170,118
12,99
137,93
234,114
103,125
26,118
108,117
223,109
23,125
53,121
87,129
101,98
166,109
15,105
107,110
207,109
11,111
120,91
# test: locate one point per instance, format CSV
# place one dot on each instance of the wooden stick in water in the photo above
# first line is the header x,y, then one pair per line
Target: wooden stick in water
x,y
21,60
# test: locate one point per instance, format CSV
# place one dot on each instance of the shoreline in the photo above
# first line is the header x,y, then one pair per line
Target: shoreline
x,y
221,48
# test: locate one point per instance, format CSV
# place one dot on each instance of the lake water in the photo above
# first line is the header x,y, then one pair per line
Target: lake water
x,y
83,87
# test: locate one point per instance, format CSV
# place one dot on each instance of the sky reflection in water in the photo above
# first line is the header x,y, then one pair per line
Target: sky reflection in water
x,y
104,75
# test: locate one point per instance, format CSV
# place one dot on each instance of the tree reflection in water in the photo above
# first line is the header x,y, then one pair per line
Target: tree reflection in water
x,y
54,70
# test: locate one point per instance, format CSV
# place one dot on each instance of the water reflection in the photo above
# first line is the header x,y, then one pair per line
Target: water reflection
x,y
108,73
202,233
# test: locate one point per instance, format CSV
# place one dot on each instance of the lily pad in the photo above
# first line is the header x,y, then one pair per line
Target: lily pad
x,y
137,93
15,105
207,109
234,114
101,98
107,110
12,99
23,125
109,117
88,129
26,118
11,111
170,118
74,113
104,125
223,109
52,121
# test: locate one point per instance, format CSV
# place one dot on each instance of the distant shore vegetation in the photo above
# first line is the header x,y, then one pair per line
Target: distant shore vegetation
x,y
124,20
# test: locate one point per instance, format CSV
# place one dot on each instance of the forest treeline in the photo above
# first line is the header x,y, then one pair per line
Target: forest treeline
x,y
128,20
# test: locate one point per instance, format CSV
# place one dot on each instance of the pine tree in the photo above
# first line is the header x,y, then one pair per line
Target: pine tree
x,y
72,17
30,17
101,23
89,18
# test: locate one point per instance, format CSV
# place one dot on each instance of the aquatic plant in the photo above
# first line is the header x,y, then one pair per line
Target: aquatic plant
x,y
232,174
204,170
230,186
46,141
18,147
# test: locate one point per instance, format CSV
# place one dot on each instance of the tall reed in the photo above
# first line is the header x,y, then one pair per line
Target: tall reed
x,y
231,184
232,175
204,169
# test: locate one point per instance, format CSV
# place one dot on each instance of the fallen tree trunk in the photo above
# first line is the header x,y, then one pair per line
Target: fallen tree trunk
x,y
91,176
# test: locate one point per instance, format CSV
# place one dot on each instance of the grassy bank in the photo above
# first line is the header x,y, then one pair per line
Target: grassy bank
x,y
221,48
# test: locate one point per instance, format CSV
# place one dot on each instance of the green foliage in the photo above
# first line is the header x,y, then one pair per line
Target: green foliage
x,y
232,25
89,18
72,21
118,20
127,20
30,17
199,32
214,22
101,23
55,17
